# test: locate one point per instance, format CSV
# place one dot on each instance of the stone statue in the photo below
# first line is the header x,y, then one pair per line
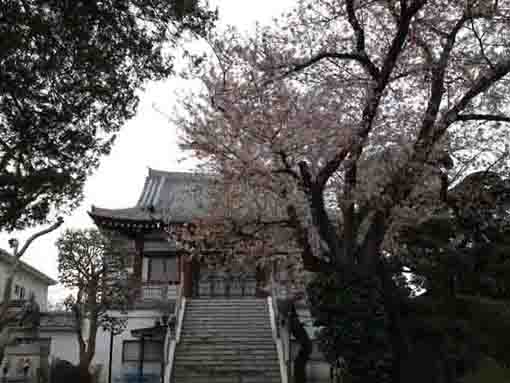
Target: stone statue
x,y
31,314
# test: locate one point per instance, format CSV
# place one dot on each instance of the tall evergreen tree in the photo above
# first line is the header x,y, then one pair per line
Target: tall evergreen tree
x,y
69,72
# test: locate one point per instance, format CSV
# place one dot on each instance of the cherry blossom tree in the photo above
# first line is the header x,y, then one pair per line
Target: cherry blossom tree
x,y
358,117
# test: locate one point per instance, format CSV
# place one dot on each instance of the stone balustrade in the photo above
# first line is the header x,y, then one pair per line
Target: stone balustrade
x,y
159,292
225,285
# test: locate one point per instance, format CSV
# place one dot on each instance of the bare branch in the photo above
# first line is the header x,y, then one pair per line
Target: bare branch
x,y
481,85
29,241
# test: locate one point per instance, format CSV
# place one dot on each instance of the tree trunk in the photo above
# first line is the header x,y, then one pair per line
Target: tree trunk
x,y
398,335
305,345
85,376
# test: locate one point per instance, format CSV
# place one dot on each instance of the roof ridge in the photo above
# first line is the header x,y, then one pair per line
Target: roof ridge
x,y
177,173
4,255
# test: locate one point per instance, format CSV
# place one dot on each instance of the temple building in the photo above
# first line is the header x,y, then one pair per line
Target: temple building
x,y
166,199
178,303
188,322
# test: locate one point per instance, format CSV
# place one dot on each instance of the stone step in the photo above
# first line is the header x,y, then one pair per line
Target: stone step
x,y
253,345
258,313
226,341
227,310
228,366
235,325
228,324
220,378
232,305
227,319
237,358
224,371
207,317
240,300
229,362
233,354
222,339
211,333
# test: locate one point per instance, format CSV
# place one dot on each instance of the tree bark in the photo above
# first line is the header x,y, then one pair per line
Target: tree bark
x,y
305,345
398,335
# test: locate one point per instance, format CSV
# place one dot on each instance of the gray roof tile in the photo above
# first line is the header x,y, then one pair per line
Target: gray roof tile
x,y
167,197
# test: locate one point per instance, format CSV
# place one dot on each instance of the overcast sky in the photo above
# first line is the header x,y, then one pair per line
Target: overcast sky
x,y
148,140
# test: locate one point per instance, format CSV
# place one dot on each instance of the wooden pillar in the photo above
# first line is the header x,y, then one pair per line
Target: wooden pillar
x,y
261,276
138,264
187,276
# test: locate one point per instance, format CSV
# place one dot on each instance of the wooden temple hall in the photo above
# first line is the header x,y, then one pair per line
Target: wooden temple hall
x,y
191,322
160,267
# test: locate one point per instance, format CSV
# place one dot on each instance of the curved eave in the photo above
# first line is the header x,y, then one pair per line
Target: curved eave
x,y
125,224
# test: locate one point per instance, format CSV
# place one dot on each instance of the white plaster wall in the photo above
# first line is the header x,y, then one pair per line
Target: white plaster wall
x,y
29,282
64,345
145,269
136,319
3,277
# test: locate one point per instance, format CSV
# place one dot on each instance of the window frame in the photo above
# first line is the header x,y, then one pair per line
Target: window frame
x,y
139,343
167,258
19,292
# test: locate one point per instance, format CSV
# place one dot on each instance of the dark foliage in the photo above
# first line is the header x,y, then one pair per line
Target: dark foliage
x,y
350,308
64,371
462,257
69,71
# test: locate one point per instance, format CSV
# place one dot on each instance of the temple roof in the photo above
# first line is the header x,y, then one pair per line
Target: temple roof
x,y
167,197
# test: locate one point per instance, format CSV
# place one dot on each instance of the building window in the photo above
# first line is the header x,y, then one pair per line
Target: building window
x,y
163,269
152,351
19,292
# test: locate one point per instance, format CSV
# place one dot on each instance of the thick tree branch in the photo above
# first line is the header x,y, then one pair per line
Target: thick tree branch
x,y
356,26
365,62
482,117
315,194
331,167
286,164
349,227
437,89
397,44
310,262
483,83
29,241
16,255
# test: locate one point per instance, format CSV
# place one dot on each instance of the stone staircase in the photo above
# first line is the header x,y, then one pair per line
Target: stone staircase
x,y
226,341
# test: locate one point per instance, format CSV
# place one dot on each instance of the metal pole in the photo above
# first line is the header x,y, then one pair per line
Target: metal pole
x,y
110,360
142,352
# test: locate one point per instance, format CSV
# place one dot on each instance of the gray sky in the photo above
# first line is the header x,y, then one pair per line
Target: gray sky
x,y
148,140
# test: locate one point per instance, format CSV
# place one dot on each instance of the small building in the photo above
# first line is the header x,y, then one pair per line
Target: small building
x,y
28,280
31,341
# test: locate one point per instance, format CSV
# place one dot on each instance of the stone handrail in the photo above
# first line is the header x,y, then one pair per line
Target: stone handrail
x,y
174,333
273,317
